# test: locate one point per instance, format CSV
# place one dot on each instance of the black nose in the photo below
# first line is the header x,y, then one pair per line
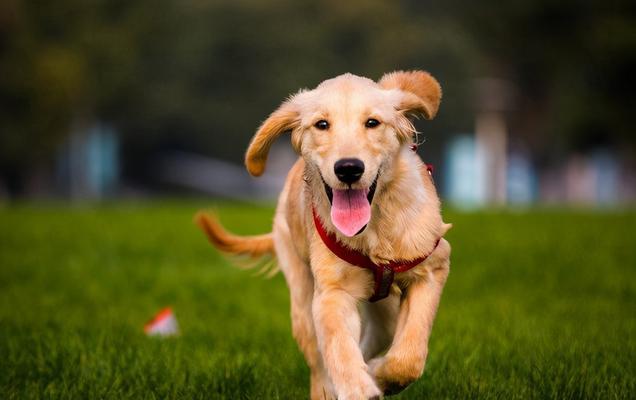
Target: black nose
x,y
349,170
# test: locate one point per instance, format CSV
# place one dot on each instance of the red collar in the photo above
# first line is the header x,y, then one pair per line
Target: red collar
x,y
383,273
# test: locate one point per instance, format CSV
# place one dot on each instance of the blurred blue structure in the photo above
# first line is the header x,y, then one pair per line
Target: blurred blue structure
x,y
595,179
521,180
464,177
607,178
88,163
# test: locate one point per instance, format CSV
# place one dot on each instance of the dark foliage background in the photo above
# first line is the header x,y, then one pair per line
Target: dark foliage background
x,y
201,75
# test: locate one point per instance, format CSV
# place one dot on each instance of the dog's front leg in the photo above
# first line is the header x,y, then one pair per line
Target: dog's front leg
x,y
337,325
404,362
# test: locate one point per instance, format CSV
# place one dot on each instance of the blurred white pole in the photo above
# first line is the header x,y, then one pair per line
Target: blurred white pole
x,y
492,142
494,97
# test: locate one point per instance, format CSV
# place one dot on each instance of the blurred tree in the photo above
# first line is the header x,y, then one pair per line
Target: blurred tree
x,y
570,61
61,64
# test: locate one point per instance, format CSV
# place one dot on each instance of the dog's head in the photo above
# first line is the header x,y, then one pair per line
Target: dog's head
x,y
349,130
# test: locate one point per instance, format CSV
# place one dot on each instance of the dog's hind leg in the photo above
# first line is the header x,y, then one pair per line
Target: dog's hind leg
x,y
301,289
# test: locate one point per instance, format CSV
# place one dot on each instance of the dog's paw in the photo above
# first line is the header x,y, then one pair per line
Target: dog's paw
x,y
363,388
394,375
321,389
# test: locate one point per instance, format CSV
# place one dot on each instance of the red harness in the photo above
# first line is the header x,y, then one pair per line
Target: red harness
x,y
383,273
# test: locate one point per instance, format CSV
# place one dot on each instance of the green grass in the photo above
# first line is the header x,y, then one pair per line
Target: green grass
x,y
540,305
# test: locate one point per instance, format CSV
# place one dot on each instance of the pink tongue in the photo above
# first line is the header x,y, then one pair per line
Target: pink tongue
x,y
350,210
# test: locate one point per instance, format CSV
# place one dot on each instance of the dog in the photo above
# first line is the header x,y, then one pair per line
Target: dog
x,y
357,232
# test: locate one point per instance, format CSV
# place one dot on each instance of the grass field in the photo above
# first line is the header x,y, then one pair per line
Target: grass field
x,y
539,305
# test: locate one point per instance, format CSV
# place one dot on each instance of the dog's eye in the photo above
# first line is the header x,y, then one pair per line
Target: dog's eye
x,y
372,123
322,125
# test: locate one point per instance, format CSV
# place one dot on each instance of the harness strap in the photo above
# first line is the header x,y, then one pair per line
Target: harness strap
x,y
383,274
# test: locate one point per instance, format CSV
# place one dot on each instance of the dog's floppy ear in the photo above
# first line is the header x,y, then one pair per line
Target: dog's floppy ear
x,y
283,120
422,92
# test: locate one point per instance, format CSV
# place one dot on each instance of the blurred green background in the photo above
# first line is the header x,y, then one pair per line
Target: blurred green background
x,y
538,305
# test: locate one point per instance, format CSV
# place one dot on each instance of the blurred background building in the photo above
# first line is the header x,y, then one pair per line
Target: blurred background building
x,y
116,99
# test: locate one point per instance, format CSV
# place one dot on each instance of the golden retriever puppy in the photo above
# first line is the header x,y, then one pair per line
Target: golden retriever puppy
x,y
357,232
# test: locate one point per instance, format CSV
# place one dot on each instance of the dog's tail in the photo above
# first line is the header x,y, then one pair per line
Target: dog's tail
x,y
255,248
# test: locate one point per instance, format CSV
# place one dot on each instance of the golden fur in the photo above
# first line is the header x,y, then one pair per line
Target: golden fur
x,y
355,349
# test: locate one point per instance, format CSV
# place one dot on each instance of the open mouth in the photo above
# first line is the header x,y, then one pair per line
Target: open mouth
x,y
351,208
